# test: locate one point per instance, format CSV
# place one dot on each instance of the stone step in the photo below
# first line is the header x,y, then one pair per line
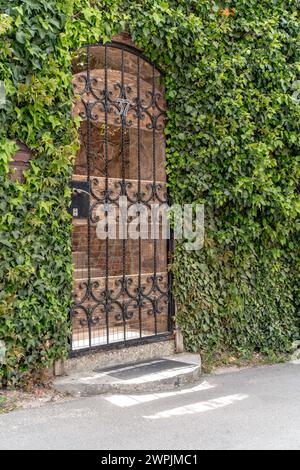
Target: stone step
x,y
165,373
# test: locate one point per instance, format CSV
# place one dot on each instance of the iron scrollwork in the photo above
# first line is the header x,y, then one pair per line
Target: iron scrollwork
x,y
118,300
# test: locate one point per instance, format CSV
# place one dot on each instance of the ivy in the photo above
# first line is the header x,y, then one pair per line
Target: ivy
x,y
233,144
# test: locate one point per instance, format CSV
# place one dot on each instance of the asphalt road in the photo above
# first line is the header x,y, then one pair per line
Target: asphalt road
x,y
252,409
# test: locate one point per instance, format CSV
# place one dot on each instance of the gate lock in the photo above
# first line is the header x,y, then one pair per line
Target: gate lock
x,y
80,206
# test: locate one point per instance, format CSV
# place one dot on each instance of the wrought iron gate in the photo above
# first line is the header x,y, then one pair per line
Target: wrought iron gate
x,y
122,286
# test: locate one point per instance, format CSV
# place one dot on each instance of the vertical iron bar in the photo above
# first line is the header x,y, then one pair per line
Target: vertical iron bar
x,y
123,192
106,91
154,187
139,188
171,306
89,181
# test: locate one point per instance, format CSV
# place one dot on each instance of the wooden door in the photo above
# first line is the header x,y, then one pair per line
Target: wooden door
x,y
122,286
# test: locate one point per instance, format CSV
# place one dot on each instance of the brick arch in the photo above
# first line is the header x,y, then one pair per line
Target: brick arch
x,y
125,38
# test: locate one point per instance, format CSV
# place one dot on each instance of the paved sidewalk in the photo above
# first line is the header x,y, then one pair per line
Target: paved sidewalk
x,y
252,409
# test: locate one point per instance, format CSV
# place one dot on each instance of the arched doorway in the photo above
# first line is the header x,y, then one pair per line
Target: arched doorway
x,y
122,286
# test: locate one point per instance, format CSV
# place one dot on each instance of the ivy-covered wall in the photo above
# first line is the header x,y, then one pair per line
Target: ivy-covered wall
x,y
232,71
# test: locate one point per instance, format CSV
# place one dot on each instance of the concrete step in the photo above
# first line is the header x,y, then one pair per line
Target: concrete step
x,y
165,373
